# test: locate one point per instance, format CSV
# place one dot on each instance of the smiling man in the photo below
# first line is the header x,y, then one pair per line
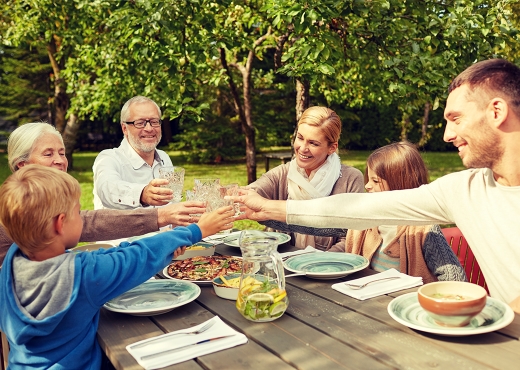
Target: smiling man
x,y
483,121
127,177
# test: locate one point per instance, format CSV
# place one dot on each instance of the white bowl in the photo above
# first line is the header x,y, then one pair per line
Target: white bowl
x,y
224,291
197,249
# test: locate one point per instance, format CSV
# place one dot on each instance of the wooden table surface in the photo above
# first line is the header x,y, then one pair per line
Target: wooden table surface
x,y
321,329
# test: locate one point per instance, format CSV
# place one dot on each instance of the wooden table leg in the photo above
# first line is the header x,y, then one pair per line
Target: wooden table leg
x,y
4,347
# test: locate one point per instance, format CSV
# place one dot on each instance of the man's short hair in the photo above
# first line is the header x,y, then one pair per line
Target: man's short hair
x,y
31,199
136,100
491,78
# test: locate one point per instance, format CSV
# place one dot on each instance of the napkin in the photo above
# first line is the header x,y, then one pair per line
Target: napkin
x,y
308,249
380,287
180,338
216,238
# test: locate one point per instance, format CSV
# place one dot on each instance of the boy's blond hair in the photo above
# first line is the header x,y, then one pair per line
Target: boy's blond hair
x,y
31,199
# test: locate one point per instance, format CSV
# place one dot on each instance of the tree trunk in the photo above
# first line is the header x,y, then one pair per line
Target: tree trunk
x,y
303,101
61,99
70,136
424,129
240,109
405,125
245,110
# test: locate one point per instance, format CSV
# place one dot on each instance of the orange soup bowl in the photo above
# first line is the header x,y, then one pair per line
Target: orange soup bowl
x,y
452,303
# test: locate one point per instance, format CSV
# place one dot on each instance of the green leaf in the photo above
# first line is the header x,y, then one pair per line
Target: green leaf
x,y
326,69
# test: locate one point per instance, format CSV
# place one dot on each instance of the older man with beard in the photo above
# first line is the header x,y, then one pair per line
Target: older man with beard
x,y
127,177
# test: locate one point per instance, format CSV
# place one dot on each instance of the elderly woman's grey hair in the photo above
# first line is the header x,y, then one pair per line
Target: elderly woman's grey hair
x,y
22,140
136,100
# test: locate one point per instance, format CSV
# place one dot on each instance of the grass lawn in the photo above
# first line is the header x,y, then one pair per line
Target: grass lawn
x,y
438,164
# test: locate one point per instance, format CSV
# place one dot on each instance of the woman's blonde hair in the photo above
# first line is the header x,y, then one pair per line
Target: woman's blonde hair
x,y
31,199
399,164
22,140
324,118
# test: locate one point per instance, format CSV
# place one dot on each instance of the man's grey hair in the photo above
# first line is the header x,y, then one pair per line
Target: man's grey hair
x,y
136,99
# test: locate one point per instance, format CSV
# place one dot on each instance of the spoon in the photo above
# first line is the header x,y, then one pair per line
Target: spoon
x,y
360,286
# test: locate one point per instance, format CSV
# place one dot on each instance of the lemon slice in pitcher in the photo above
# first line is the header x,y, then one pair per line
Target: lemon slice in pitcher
x,y
277,309
260,297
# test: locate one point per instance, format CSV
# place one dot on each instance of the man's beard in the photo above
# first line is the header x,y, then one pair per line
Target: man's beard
x,y
486,149
143,147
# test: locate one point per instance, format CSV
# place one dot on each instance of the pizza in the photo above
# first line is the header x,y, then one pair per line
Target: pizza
x,y
204,268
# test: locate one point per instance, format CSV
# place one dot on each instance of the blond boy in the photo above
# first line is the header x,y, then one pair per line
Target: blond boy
x,y
50,298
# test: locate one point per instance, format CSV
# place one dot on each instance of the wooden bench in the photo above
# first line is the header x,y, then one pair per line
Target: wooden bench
x,y
283,156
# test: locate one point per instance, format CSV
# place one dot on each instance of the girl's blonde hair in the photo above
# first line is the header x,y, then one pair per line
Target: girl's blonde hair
x,y
31,199
324,118
399,164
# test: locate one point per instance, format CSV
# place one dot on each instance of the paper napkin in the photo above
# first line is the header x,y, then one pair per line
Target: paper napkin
x,y
180,338
378,288
308,249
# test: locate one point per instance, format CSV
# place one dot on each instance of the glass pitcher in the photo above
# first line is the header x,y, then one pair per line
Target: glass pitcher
x,y
261,294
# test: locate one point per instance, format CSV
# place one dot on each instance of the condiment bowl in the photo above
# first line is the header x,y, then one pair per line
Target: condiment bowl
x,y
225,291
452,303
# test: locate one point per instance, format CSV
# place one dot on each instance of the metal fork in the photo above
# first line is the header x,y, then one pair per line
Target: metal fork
x,y
360,286
208,325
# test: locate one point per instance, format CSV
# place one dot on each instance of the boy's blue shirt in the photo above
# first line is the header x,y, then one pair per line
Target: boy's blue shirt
x,y
67,339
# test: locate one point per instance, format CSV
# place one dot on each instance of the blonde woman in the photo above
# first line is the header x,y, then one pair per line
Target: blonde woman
x,y
315,171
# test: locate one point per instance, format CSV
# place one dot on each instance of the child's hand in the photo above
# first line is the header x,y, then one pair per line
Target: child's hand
x,y
220,219
179,251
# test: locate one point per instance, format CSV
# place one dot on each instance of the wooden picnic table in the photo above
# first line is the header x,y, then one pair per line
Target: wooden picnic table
x,y
322,329
283,157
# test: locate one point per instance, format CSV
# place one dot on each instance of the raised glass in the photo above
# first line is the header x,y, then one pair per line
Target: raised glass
x,y
175,177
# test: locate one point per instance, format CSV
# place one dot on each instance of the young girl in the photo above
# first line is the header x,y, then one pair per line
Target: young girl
x,y
414,250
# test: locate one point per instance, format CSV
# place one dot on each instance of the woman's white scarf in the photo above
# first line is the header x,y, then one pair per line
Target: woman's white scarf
x,y
320,185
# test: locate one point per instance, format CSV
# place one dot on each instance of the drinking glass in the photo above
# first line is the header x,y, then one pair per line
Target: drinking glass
x,y
232,191
175,177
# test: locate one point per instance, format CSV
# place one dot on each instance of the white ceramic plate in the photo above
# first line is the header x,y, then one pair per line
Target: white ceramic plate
x,y
154,297
406,310
281,238
327,265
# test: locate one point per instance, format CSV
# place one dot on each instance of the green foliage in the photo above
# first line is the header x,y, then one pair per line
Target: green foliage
x,y
24,82
376,62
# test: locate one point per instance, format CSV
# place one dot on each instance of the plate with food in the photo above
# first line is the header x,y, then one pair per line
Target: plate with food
x,y
280,238
202,269
154,297
407,311
327,265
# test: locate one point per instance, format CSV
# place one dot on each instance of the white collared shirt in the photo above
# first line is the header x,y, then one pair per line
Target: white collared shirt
x,y
120,175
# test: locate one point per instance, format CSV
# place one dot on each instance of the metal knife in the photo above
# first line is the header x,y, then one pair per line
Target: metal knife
x,y
157,354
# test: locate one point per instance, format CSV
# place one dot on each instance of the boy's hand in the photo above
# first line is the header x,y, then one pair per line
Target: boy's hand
x,y
179,251
220,219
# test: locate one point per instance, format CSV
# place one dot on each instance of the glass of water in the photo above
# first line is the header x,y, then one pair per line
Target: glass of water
x,y
175,177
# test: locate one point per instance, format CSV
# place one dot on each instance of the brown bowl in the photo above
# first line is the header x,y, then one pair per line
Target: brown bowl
x,y
452,303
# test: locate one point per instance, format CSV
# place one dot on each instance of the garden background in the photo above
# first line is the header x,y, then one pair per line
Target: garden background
x,y
233,77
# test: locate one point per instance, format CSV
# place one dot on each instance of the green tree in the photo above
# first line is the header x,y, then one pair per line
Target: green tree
x,y
388,51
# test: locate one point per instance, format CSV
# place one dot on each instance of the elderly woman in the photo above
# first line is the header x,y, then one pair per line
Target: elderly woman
x,y
315,171
40,143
